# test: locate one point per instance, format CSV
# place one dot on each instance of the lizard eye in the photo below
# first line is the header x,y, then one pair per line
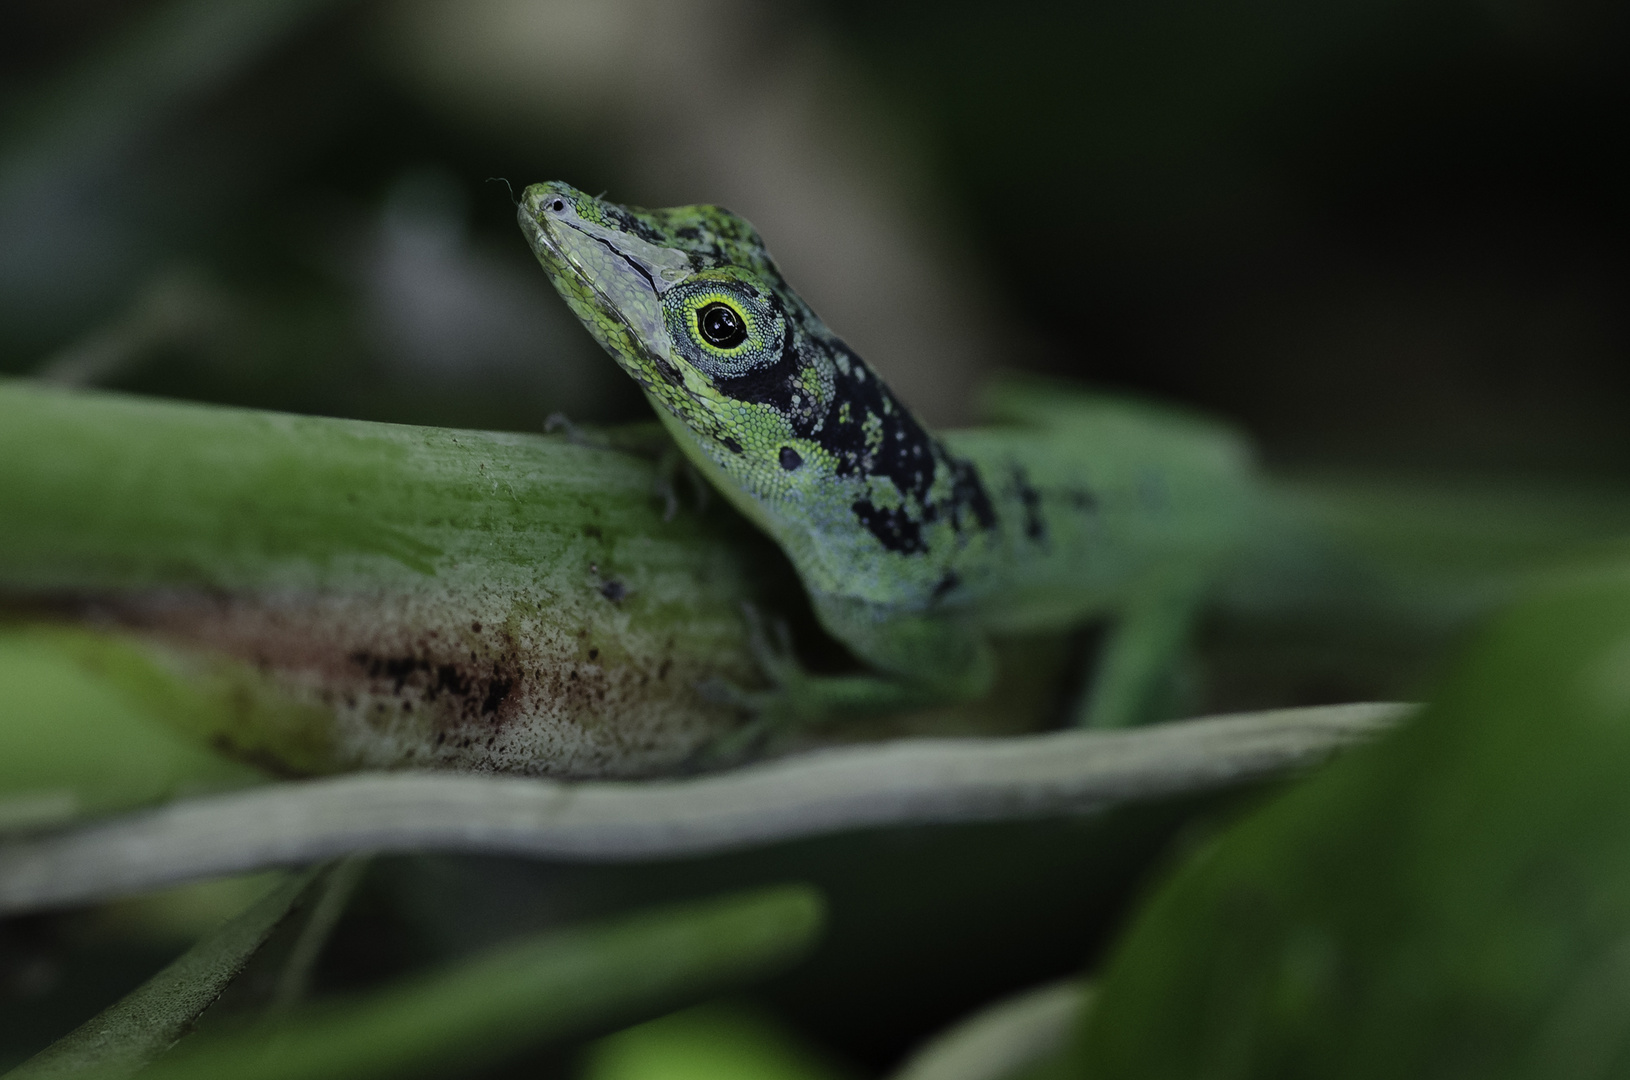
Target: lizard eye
x,y
557,204
720,326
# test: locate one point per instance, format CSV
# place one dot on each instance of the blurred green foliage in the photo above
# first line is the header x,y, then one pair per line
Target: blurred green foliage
x,y
1450,902
710,1042
78,744
523,992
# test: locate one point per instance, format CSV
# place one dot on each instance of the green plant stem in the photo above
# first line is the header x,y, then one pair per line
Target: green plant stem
x,y
911,782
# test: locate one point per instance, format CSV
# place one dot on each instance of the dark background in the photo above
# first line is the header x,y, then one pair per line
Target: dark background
x,y
1377,235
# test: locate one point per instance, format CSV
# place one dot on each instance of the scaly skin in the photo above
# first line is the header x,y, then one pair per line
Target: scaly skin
x,y
912,546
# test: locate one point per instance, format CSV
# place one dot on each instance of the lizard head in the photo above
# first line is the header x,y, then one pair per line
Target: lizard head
x,y
793,426
687,300
679,297
691,305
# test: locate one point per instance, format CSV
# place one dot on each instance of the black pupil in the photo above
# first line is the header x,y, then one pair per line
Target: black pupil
x,y
721,326
557,206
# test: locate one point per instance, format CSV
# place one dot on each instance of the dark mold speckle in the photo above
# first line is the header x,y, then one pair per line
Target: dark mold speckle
x,y
497,691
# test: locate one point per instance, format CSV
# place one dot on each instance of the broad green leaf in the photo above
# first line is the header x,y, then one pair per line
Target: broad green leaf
x,y
522,993
150,1019
1452,901
348,594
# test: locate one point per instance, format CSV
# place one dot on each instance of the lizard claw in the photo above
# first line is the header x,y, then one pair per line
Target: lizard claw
x,y
576,434
666,489
724,692
670,462
669,468
737,744
670,500
699,486
772,710
771,646
559,421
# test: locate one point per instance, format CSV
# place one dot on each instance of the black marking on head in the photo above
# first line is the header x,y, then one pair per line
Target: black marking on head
x,y
773,384
628,223
905,454
790,458
1034,527
904,443
730,444
946,584
893,527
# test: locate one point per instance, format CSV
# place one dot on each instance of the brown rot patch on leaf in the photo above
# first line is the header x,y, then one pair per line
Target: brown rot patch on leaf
x,y
496,682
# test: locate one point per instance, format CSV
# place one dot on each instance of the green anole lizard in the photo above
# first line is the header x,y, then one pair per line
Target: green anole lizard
x,y
912,545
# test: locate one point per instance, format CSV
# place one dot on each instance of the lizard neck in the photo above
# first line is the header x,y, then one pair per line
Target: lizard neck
x,y
867,502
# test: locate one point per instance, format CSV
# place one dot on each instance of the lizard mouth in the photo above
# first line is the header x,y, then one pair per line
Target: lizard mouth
x,y
557,219
615,273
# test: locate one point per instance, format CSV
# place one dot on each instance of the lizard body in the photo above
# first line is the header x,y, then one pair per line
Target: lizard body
x,y
913,546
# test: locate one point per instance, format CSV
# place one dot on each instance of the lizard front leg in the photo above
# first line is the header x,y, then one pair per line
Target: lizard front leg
x,y
917,661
